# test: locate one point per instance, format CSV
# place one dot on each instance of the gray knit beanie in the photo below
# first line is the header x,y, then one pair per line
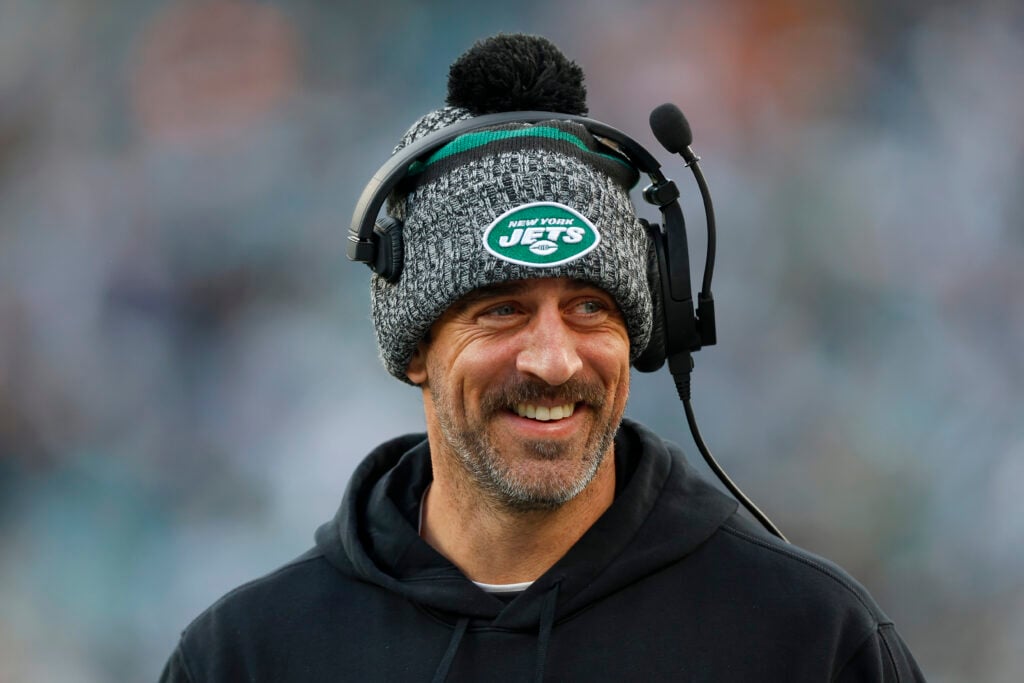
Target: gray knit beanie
x,y
513,202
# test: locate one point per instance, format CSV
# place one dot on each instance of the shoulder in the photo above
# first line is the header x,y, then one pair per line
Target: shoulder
x,y
802,593
781,593
815,575
736,551
242,625
272,586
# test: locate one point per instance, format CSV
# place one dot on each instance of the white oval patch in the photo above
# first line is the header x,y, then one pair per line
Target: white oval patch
x,y
543,248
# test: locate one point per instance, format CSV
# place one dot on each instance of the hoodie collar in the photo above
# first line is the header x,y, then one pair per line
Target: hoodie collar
x,y
662,511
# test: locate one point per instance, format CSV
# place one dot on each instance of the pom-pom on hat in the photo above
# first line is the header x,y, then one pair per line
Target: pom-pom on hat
x,y
512,202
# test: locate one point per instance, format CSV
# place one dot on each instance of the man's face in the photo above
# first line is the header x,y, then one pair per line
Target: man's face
x,y
525,383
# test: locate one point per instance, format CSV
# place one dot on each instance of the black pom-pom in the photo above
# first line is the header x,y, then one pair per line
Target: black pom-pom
x,y
516,72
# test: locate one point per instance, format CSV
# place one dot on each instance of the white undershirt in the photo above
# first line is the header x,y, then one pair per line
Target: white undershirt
x,y
488,587
505,587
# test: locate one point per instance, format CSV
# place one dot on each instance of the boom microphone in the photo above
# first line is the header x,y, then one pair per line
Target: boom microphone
x,y
671,128
673,132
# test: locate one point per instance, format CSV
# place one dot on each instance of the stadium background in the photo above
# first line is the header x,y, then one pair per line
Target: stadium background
x,y
187,370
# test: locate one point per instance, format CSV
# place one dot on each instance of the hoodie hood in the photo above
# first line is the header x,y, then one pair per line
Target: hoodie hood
x,y
669,584
661,513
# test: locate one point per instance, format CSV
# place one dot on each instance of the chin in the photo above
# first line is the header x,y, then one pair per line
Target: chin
x,y
543,483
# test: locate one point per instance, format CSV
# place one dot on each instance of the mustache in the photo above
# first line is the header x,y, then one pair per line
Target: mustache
x,y
526,390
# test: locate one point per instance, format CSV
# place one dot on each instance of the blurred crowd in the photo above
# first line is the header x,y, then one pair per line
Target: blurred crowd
x,y
187,367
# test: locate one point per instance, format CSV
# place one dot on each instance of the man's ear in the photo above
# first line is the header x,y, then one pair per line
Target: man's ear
x,y
417,370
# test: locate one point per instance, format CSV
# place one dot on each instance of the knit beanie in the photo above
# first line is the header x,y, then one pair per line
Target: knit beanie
x,y
513,202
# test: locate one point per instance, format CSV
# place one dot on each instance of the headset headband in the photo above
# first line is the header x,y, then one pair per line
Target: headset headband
x,y
361,240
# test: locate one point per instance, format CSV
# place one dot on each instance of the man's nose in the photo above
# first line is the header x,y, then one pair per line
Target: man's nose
x,y
549,349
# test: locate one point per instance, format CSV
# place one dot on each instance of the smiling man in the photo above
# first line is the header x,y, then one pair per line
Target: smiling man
x,y
532,533
524,387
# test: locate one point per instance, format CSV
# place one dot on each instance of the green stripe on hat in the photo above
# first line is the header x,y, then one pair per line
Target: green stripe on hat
x,y
473,141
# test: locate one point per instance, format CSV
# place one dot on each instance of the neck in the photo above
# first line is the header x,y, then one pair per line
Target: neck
x,y
493,544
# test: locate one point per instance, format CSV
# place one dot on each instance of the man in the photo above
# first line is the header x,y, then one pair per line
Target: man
x,y
533,534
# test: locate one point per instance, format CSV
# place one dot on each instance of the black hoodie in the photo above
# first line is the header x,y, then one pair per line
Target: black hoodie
x,y
669,584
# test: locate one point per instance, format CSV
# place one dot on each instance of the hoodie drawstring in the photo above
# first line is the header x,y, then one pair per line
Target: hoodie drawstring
x,y
547,622
453,646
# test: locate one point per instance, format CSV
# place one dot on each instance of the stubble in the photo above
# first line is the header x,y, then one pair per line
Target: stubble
x,y
506,479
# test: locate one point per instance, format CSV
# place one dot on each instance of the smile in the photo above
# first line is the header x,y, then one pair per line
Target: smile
x,y
544,413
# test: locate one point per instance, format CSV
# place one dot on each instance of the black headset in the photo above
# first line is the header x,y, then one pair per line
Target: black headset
x,y
677,330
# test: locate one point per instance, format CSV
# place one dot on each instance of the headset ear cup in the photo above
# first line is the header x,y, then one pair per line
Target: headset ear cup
x,y
653,357
390,251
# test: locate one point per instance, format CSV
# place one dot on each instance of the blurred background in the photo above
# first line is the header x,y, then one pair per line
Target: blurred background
x,y
187,367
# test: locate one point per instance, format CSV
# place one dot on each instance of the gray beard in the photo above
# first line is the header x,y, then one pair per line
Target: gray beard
x,y
482,461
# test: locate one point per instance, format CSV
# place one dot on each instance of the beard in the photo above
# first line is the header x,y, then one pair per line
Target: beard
x,y
497,473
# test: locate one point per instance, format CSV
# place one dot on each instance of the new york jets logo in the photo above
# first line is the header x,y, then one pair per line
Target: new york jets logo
x,y
541,234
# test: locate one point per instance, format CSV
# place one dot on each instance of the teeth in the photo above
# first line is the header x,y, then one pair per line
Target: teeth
x,y
543,413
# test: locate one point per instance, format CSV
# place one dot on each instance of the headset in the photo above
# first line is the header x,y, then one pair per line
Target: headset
x,y
677,330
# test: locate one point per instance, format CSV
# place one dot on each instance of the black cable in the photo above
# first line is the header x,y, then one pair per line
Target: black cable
x,y
709,216
682,381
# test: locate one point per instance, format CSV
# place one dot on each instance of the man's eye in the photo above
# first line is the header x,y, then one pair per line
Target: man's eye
x,y
591,307
502,310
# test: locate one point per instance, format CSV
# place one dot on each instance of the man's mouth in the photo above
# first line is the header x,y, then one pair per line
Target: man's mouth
x,y
544,413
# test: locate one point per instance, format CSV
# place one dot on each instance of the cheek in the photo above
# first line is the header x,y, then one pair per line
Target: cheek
x,y
622,386
483,360
611,369
466,375
610,357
